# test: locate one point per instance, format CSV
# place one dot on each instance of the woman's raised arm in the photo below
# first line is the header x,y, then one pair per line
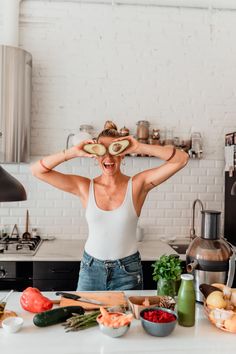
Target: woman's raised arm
x,y
43,169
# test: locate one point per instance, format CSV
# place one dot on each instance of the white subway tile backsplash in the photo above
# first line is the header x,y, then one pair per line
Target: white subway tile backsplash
x,y
199,188
182,188
147,67
173,196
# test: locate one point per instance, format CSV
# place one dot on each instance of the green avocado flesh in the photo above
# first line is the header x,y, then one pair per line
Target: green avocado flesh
x,y
95,149
118,147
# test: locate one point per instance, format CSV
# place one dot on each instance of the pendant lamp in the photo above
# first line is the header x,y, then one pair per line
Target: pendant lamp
x,y
11,190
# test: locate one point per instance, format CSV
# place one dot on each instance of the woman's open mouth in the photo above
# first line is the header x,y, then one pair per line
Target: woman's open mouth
x,y
109,165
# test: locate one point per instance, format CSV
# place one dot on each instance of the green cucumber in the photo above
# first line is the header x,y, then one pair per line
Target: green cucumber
x,y
59,315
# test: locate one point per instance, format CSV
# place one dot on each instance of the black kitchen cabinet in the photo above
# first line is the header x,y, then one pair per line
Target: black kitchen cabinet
x,y
54,276
148,282
15,275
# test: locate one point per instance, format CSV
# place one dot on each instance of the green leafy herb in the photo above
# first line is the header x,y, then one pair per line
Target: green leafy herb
x,y
167,267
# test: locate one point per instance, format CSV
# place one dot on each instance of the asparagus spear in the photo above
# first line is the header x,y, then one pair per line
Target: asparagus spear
x,y
79,322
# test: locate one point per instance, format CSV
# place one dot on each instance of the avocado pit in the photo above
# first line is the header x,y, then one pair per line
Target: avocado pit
x,y
118,147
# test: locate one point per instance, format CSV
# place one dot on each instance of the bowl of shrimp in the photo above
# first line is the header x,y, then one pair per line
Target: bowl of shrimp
x,y
114,324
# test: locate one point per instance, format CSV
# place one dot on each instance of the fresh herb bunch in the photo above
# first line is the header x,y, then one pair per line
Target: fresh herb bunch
x,y
167,267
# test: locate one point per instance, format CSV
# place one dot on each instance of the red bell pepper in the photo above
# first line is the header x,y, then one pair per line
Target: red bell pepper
x,y
33,301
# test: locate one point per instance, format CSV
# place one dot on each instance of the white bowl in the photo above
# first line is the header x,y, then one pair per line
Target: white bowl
x,y
12,324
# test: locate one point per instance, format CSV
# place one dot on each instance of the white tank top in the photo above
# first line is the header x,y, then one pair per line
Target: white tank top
x,y
112,234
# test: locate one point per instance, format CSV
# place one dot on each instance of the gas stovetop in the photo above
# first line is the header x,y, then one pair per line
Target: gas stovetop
x,y
18,245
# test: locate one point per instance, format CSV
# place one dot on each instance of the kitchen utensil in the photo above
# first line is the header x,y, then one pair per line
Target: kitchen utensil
x,y
4,299
15,231
209,257
79,298
109,298
26,235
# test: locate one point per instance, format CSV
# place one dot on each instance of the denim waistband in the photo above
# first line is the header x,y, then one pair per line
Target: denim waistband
x,y
122,261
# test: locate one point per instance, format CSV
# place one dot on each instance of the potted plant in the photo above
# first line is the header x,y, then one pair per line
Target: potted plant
x,y
166,272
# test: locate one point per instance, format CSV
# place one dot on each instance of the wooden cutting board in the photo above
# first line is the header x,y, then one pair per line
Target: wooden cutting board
x,y
109,298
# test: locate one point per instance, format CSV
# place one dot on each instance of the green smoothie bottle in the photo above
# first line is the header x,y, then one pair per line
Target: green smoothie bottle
x,y
186,301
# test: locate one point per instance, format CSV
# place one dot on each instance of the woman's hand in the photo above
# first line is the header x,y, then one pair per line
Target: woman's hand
x,y
79,151
133,145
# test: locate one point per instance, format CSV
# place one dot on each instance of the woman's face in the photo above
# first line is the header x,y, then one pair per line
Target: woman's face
x,y
109,164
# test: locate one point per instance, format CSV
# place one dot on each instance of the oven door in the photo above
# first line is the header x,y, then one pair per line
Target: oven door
x,y
15,275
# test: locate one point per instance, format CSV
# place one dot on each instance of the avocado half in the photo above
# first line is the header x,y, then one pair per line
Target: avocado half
x,y
95,149
118,147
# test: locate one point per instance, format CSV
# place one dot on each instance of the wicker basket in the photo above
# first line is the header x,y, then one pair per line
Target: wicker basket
x,y
218,324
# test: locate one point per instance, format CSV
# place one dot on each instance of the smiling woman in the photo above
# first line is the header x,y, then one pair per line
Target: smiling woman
x,y
113,203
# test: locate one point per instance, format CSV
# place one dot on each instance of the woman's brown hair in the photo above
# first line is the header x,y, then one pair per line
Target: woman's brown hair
x,y
110,130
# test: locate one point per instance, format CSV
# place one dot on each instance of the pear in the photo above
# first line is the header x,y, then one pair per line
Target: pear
x,y
95,149
118,147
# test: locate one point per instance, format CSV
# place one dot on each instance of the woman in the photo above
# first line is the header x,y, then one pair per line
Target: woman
x,y
113,203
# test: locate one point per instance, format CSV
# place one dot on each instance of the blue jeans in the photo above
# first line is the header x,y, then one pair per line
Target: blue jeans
x,y
122,274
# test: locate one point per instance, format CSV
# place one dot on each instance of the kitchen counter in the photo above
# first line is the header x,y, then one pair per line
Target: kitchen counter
x,y
72,250
202,338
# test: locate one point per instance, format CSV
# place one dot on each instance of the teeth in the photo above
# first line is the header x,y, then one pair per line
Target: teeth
x,y
108,164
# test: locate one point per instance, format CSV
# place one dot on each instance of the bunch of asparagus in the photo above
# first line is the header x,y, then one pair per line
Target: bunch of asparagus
x,y
79,322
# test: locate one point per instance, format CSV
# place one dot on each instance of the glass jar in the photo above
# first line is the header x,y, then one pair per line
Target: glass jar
x,y
169,137
86,128
196,144
186,301
85,133
176,141
143,129
166,287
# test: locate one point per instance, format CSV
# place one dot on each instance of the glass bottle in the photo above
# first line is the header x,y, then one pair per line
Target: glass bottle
x,y
186,301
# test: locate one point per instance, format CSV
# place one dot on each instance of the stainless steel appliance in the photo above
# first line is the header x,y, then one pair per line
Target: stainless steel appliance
x,y
210,257
17,245
15,104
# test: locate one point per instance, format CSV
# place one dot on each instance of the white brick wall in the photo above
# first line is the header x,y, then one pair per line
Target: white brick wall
x,y
173,67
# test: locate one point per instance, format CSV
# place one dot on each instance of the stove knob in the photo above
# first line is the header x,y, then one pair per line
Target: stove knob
x,y
2,273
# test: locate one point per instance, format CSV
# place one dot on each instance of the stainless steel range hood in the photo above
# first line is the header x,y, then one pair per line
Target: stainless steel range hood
x,y
15,104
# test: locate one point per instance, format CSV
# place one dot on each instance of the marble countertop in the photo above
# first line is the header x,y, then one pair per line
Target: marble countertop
x,y
202,338
72,250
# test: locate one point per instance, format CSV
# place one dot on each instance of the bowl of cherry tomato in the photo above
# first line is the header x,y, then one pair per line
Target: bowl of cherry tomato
x,y
158,321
